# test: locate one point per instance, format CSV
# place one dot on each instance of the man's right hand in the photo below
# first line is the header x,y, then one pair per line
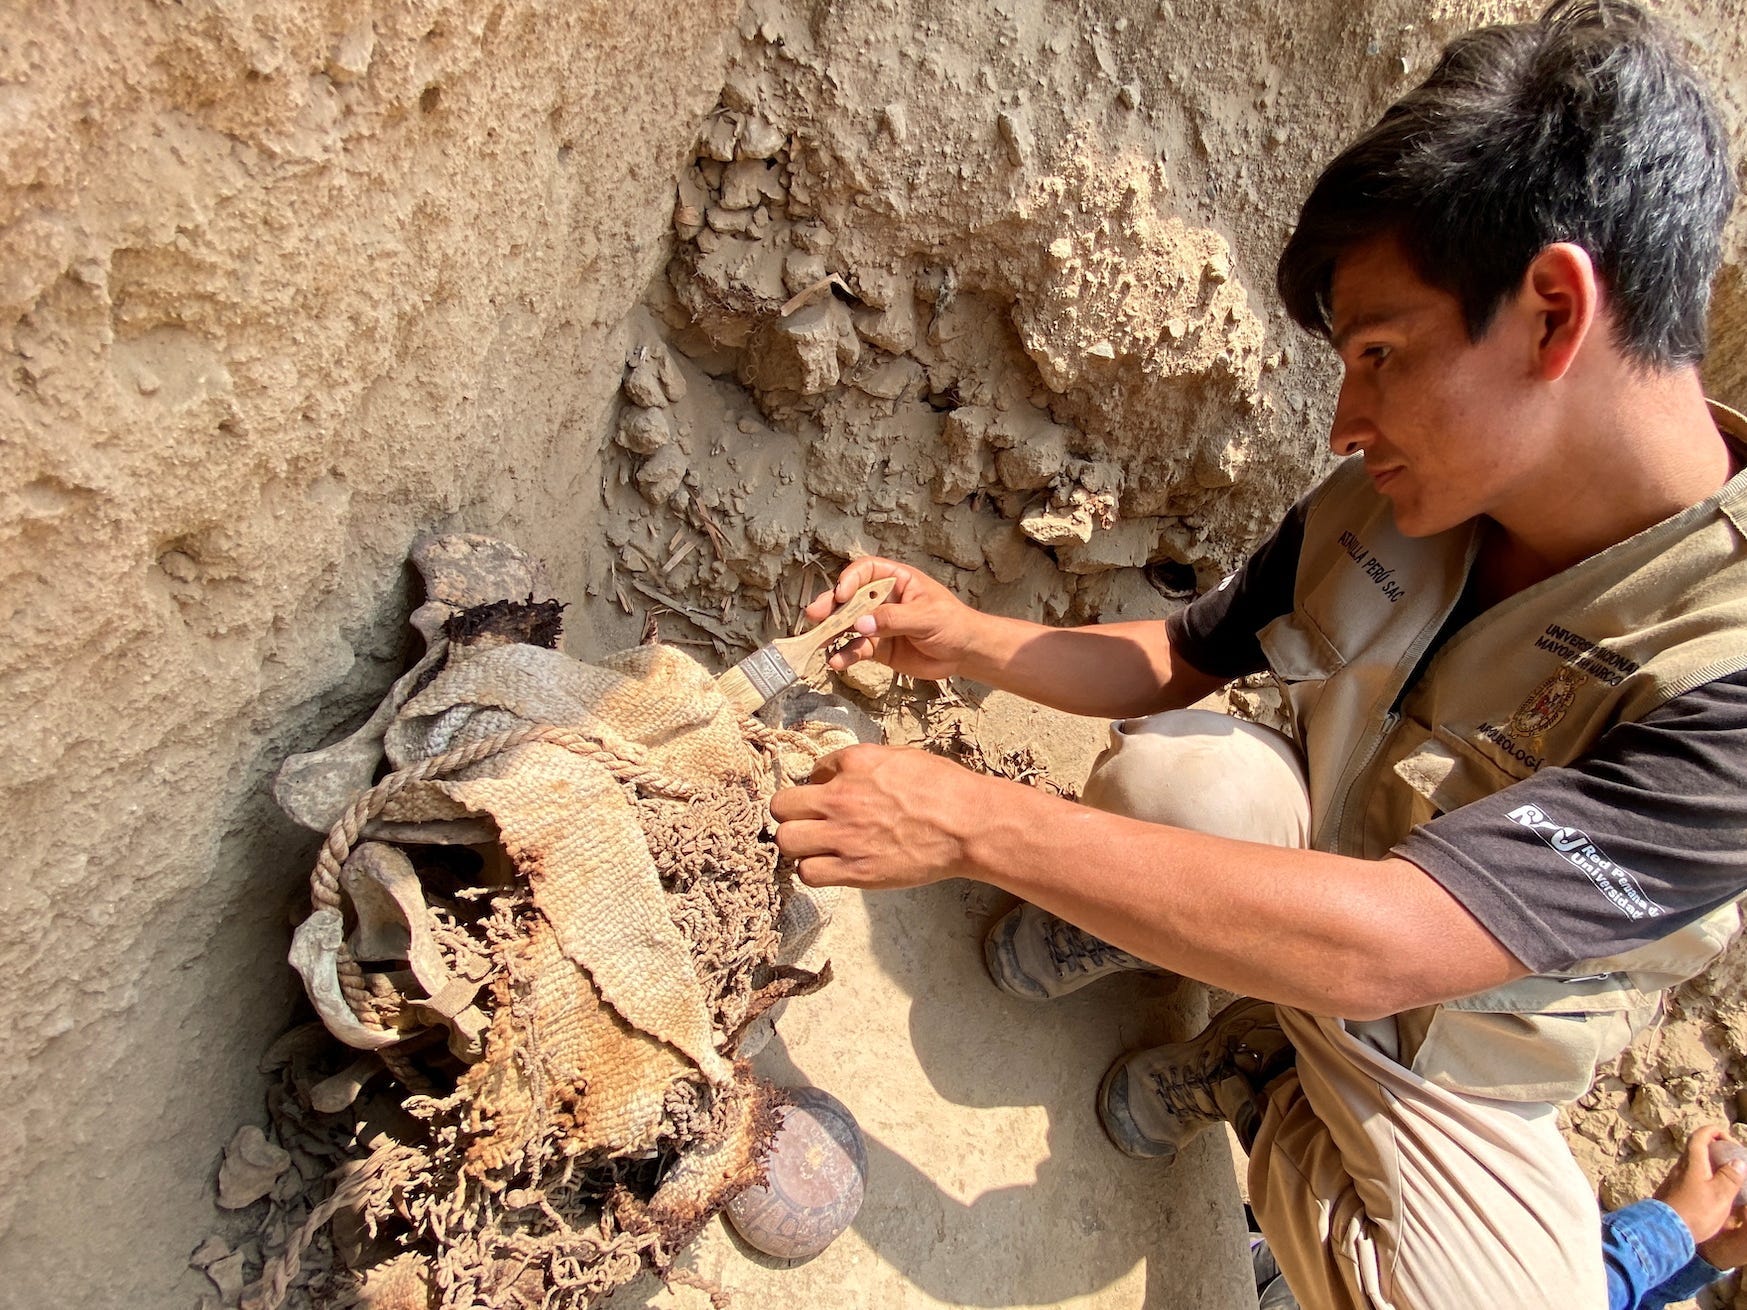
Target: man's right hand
x,y
922,629
1705,1197
1109,670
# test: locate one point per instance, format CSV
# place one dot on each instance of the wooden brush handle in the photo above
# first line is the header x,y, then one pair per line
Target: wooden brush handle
x,y
802,650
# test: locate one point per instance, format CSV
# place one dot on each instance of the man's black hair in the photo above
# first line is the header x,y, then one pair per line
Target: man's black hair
x,y
1586,126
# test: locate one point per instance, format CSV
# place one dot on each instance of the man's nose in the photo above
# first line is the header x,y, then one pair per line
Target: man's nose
x,y
1352,426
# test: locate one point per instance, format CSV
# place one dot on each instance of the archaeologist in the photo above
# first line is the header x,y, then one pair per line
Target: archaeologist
x,y
1511,627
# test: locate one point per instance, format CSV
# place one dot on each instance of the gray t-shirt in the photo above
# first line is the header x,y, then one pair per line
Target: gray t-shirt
x,y
1663,798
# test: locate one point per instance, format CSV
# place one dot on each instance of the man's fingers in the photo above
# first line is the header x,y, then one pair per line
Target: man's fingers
x,y
852,652
893,620
865,570
820,607
822,871
1698,1150
830,766
792,803
800,839
856,576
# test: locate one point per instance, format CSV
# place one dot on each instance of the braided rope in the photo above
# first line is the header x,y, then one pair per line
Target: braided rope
x,y
355,989
622,757
277,1277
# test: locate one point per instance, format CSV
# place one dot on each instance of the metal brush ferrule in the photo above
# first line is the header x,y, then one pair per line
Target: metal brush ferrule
x,y
767,671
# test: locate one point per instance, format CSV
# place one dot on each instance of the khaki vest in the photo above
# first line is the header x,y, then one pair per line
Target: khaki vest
x,y
1532,682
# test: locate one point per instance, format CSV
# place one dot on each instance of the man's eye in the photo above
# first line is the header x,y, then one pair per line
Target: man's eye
x,y
1376,354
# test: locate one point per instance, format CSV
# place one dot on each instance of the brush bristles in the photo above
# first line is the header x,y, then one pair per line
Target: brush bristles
x,y
739,692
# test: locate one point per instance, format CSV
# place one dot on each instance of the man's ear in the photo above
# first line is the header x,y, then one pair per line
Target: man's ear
x,y
1562,297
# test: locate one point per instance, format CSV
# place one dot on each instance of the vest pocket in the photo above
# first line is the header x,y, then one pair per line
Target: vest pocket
x,y
1509,1055
1450,772
1540,1038
1537,1039
1302,660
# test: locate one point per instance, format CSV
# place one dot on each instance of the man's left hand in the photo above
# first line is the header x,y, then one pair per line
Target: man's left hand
x,y
878,817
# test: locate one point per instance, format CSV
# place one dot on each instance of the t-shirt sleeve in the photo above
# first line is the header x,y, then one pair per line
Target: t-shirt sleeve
x,y
1641,836
1216,632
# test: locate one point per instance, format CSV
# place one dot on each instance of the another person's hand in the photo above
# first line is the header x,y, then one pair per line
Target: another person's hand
x,y
877,817
1728,1249
922,629
1704,1198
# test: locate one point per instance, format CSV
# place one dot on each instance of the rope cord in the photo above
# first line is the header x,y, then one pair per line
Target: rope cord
x,y
624,758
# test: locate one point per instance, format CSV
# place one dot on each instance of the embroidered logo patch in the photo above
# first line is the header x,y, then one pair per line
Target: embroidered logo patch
x,y
1618,884
1547,704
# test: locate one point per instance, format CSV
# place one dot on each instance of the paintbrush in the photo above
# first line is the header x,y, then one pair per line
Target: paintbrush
x,y
781,663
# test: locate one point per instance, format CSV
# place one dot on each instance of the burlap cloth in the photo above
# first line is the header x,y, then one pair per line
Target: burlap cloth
x,y
632,934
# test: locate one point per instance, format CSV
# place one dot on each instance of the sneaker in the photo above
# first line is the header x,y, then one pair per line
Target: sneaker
x,y
1154,1101
1035,956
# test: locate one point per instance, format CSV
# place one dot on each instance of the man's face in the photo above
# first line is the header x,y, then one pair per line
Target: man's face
x,y
1445,424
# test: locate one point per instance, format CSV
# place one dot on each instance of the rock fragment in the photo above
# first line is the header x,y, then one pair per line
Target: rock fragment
x,y
643,431
760,139
806,352
643,384
227,1276
662,475
718,139
1049,525
1070,516
213,1249
729,222
868,678
965,437
746,182
668,370
1220,463
892,328
251,1166
351,57
1005,550
892,378
688,221
956,537
1035,462
803,269
1015,130
1125,545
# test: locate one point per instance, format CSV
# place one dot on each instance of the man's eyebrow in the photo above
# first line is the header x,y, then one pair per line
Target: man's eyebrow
x,y
1374,319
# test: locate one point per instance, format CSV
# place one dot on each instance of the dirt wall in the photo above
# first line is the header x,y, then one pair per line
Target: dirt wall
x,y
283,286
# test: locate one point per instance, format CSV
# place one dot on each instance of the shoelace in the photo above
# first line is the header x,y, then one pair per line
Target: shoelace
x,y
1187,1093
1076,950
1194,1090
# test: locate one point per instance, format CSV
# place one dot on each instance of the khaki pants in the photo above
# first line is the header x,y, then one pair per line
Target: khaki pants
x,y
1373,1187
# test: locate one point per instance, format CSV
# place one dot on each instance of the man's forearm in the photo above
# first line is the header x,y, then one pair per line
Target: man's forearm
x,y
1320,932
1114,670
